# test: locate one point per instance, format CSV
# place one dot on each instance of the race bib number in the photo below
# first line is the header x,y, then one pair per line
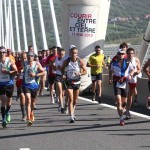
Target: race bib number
x,y
21,76
71,73
53,71
121,85
29,80
93,78
4,78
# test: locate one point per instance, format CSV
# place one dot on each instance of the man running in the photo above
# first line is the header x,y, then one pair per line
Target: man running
x,y
146,69
8,70
43,78
75,67
120,71
59,79
51,74
96,62
133,82
32,70
20,65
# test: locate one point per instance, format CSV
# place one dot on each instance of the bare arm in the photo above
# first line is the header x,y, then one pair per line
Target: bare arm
x,y
63,67
147,64
83,68
13,71
138,67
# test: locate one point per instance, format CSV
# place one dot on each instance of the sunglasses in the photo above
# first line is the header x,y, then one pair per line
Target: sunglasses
x,y
130,53
30,55
120,53
2,52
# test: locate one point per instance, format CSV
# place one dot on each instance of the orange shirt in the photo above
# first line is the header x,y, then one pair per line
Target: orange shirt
x,y
12,58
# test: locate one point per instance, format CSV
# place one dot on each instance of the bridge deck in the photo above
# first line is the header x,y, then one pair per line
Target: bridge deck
x,y
96,128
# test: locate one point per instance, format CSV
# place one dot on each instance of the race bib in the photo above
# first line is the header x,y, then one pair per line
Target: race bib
x,y
21,76
53,71
93,78
29,80
121,85
4,78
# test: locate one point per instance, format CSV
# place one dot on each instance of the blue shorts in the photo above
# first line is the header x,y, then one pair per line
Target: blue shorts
x,y
96,77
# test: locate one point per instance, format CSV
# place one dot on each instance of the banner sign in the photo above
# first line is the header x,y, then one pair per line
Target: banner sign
x,y
82,24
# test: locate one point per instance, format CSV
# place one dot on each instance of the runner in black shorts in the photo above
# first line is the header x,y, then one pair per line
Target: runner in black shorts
x,y
8,70
73,64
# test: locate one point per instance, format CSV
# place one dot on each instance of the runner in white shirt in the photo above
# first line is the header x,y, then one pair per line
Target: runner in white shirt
x,y
121,70
133,82
59,79
75,68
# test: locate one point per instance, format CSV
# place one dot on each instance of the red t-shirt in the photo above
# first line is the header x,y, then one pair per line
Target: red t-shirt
x,y
49,59
19,67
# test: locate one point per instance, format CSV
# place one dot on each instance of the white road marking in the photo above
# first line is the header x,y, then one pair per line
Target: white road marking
x,y
24,149
113,107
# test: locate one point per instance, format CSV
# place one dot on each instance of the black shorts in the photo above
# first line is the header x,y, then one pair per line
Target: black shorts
x,y
7,90
59,78
149,85
119,91
51,79
19,90
73,84
95,77
31,91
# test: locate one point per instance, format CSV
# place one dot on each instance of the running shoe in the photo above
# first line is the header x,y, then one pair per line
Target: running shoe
x,y
128,115
17,98
59,109
74,117
35,108
29,123
62,110
122,122
4,124
66,109
8,117
135,103
148,103
93,96
99,100
56,100
72,120
23,118
32,117
52,101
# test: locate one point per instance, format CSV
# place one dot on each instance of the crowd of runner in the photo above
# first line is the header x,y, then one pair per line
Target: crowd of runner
x,y
59,72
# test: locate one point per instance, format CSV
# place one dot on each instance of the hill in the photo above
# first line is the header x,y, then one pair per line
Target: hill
x,y
126,21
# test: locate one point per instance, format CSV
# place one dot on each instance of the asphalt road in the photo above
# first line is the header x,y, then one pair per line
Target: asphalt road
x,y
97,128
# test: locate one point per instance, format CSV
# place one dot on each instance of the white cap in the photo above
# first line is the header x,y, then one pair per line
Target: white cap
x,y
72,46
121,51
3,50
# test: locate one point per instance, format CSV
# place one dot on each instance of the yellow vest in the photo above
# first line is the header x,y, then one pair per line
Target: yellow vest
x,y
96,60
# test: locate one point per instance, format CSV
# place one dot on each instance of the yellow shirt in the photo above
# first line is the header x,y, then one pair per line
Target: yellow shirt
x,y
96,60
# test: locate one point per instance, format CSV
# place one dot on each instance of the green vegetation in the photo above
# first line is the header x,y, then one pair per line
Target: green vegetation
x,y
130,31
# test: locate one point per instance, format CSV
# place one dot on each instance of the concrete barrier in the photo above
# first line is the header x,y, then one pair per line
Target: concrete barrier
x,y
142,88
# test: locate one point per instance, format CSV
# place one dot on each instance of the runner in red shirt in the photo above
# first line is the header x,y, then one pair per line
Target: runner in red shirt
x,y
51,73
20,93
